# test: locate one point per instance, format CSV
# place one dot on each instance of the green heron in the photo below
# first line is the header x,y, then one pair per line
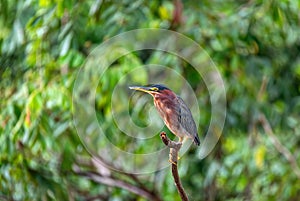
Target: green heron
x,y
175,113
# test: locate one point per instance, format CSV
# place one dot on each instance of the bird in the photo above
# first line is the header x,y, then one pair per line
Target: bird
x,y
173,110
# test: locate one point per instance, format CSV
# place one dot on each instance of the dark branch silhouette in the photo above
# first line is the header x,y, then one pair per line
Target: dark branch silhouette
x,y
173,158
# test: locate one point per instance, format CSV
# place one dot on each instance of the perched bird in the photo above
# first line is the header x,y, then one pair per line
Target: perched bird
x,y
175,113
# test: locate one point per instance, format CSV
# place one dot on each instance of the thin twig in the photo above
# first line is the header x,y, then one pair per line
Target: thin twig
x,y
119,183
277,144
262,89
103,171
174,149
96,197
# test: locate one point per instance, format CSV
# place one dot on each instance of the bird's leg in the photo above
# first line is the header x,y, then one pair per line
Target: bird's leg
x,y
174,157
174,148
181,139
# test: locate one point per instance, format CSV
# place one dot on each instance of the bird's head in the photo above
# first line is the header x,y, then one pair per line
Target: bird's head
x,y
153,89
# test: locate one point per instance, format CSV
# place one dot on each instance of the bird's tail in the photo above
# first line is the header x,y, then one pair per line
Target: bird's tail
x,y
196,140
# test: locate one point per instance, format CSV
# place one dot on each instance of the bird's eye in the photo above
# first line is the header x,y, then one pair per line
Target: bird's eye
x,y
154,89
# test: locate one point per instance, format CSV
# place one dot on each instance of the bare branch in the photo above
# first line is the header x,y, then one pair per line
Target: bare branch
x,y
96,197
104,172
120,184
174,149
277,144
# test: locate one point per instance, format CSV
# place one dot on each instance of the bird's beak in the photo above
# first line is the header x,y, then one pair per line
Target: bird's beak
x,y
141,88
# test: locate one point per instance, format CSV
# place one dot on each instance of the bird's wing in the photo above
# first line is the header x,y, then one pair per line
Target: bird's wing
x,y
186,119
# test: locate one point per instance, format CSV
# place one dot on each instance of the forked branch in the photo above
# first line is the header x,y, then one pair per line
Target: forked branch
x,y
173,158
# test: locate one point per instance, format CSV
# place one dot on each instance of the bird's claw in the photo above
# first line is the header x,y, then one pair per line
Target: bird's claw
x,y
174,163
178,145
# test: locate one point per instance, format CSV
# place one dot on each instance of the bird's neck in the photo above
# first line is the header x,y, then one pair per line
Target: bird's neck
x,y
164,103
168,95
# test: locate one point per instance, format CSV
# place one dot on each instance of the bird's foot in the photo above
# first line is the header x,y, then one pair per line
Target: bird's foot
x,y
173,162
177,145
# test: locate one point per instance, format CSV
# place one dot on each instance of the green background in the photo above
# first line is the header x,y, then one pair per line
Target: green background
x,y
255,45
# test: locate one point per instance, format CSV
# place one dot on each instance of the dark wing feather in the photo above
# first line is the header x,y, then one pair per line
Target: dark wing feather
x,y
186,120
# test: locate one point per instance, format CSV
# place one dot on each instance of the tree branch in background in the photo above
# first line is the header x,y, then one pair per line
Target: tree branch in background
x,y
277,144
177,19
173,158
105,176
109,181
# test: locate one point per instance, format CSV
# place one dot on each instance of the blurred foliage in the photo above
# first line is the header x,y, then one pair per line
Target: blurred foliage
x,y
43,44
